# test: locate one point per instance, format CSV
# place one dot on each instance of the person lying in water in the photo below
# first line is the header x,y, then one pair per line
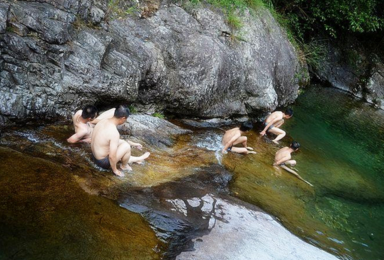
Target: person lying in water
x,y
107,147
234,136
273,123
82,123
283,158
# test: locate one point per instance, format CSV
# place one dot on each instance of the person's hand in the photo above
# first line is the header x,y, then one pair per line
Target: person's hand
x,y
224,151
139,146
262,133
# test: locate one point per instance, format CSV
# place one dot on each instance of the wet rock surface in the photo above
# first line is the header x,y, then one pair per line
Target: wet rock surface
x,y
240,231
351,69
53,61
152,130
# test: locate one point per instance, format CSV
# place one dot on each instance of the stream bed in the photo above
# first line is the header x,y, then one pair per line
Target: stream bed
x,y
189,201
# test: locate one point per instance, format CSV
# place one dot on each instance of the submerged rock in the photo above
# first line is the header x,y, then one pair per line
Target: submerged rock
x,y
193,64
46,215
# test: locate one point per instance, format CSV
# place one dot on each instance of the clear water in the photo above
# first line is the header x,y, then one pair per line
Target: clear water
x,y
342,154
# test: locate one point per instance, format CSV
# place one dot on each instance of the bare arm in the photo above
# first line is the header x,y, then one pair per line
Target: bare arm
x,y
295,173
274,120
230,142
79,137
136,145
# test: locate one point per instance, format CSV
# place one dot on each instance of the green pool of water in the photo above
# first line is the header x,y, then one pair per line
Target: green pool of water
x,y
342,154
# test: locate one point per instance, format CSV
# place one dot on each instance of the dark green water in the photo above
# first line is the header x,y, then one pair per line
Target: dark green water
x,y
342,154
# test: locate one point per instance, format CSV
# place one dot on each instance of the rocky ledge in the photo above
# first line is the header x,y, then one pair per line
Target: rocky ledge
x,y
58,55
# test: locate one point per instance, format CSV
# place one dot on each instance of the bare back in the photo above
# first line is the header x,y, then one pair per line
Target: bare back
x,y
283,153
230,134
103,133
275,116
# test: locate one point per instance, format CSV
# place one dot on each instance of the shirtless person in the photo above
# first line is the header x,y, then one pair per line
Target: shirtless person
x,y
234,136
274,121
283,156
107,147
81,122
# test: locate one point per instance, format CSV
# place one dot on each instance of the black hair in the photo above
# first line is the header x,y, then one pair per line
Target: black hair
x,y
295,145
121,111
89,111
289,112
246,126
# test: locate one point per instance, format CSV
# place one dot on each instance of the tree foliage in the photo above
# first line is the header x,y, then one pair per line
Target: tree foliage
x,y
308,17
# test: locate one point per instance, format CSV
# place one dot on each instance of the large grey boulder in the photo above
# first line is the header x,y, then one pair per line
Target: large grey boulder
x,y
54,60
375,86
352,71
152,130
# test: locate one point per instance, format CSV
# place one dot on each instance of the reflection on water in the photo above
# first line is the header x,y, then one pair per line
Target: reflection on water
x,y
176,189
342,150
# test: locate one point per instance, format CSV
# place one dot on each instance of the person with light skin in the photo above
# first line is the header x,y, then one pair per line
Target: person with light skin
x,y
234,136
82,123
106,114
107,147
283,156
273,123
283,159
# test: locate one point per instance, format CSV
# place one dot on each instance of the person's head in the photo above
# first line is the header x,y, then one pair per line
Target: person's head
x,y
288,113
246,126
122,112
295,145
89,112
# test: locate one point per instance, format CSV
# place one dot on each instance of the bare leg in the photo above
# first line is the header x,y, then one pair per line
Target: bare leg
x,y
279,123
123,154
280,134
241,150
290,162
243,140
140,159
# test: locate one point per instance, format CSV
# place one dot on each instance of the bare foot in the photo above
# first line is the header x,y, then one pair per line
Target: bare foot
x,y
276,142
139,160
250,148
143,157
251,152
119,173
126,167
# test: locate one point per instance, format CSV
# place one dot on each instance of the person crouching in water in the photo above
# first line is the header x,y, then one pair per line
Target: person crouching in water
x,y
283,156
234,136
82,123
107,147
273,123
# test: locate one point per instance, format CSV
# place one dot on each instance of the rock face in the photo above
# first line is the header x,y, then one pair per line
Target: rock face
x,y
352,70
57,56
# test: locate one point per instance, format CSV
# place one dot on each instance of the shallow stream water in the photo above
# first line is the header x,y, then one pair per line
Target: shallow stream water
x,y
341,154
61,206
